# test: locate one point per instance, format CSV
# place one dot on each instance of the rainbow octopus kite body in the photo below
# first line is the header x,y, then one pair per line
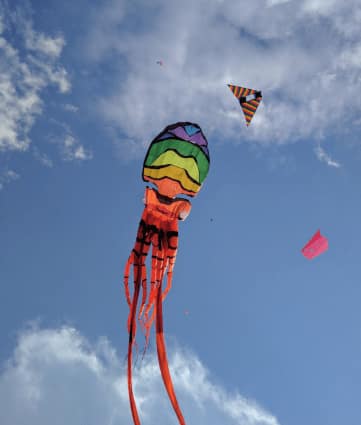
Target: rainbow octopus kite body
x,y
177,162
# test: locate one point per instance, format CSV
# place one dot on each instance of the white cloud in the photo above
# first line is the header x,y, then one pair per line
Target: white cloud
x,y
56,376
42,158
323,156
38,42
73,150
25,72
302,55
319,6
71,108
275,2
351,57
7,177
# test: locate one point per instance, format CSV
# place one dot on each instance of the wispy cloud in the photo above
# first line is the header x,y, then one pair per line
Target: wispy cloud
x,y
57,376
40,43
7,177
26,70
73,150
280,47
71,108
70,148
323,156
42,158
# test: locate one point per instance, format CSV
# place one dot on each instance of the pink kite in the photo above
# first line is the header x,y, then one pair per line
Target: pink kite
x,y
316,246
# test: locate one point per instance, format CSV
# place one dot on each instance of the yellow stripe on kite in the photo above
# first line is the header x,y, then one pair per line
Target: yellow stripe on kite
x,y
174,173
172,158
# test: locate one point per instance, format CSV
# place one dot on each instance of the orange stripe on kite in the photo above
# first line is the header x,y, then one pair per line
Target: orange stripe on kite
x,y
250,106
247,112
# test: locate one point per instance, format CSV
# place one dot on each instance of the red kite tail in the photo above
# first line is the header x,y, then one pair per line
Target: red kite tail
x,y
132,331
162,358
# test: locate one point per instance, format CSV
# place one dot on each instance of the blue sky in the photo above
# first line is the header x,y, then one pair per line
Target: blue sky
x,y
270,338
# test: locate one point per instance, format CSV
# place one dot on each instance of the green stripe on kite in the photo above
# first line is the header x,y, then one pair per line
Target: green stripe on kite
x,y
183,148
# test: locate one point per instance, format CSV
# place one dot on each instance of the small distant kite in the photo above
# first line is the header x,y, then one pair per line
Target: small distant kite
x,y
315,246
249,100
160,63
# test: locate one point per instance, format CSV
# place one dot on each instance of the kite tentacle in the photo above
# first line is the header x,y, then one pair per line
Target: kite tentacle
x,y
144,291
162,358
147,243
170,267
164,256
132,331
126,278
172,246
158,264
137,258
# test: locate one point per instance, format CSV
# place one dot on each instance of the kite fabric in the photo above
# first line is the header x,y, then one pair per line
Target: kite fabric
x,y
315,246
249,100
177,162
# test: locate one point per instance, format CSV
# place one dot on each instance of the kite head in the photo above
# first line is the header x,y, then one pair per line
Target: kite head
x,y
177,161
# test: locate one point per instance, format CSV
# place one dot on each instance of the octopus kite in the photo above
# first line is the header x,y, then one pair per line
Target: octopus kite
x,y
177,163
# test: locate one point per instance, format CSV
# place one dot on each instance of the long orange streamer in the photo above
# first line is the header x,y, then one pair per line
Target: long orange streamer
x,y
162,358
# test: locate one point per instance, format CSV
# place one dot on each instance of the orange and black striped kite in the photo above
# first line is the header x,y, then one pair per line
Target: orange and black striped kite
x,y
249,100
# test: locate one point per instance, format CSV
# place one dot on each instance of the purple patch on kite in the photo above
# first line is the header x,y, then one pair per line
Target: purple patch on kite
x,y
187,132
196,138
